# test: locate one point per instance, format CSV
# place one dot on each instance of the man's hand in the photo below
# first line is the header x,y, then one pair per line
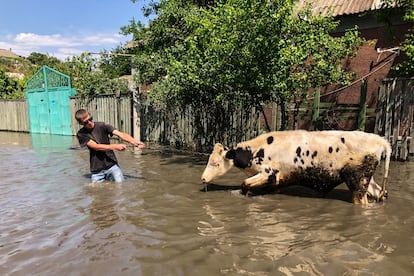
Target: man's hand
x,y
128,138
119,147
139,144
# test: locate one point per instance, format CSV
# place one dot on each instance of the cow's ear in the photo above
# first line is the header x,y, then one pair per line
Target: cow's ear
x,y
230,154
218,147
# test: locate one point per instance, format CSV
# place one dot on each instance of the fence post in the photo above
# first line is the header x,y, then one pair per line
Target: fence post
x,y
362,105
315,115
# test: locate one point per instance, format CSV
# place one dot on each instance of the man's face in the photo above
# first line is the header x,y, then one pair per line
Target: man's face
x,y
87,121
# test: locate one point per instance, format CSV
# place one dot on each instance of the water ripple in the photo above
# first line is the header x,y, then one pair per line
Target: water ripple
x,y
158,222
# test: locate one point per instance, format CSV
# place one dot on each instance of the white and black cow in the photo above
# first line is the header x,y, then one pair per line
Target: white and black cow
x,y
320,160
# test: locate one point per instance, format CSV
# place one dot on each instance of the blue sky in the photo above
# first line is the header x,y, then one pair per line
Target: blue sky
x,y
64,28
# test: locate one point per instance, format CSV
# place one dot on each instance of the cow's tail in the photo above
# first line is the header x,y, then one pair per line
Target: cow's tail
x,y
387,150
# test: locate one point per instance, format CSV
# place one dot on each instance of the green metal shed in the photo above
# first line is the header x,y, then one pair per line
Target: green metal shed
x,y
47,93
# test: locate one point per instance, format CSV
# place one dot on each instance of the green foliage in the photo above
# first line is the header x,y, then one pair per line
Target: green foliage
x,y
89,76
239,52
116,63
40,59
155,44
406,68
17,65
88,80
9,88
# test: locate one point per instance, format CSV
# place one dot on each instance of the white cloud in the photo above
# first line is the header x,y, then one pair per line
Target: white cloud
x,y
44,40
103,39
58,45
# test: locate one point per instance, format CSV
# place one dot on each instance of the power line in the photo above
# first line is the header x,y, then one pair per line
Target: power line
x,y
356,81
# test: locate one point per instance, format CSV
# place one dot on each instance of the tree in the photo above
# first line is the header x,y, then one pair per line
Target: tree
x,y
154,44
116,63
90,80
40,59
241,52
89,76
406,68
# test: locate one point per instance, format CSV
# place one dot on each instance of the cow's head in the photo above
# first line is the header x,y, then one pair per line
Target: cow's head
x,y
218,164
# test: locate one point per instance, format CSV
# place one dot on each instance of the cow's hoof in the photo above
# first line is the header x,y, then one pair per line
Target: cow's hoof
x,y
244,190
383,195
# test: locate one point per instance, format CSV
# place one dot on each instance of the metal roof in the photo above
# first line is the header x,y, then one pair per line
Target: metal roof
x,y
341,7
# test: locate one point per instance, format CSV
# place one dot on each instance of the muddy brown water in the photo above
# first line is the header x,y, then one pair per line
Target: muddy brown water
x,y
161,220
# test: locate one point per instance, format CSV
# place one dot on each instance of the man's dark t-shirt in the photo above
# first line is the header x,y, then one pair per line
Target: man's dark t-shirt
x,y
99,160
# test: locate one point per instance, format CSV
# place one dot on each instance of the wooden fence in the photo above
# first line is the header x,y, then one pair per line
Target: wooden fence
x,y
199,129
316,115
395,115
14,115
113,109
116,110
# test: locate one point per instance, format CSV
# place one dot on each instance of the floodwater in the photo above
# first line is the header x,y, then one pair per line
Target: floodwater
x,y
161,220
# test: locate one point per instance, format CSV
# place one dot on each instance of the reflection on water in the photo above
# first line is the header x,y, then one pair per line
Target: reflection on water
x,y
161,221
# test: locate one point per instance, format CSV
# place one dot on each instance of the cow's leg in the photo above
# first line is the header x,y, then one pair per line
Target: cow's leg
x,y
359,190
375,191
358,178
266,176
254,181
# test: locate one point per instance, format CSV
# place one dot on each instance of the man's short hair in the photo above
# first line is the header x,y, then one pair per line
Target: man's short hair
x,y
80,114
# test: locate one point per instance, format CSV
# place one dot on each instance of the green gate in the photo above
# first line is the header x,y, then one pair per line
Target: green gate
x,y
47,93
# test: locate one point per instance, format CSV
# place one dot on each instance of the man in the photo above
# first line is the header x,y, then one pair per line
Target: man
x,y
95,135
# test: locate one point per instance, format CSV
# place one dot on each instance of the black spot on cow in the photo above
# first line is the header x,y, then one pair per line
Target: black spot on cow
x,y
295,160
259,156
267,170
298,151
317,178
337,149
272,178
303,162
269,158
307,153
242,157
314,154
231,154
330,149
270,140
343,140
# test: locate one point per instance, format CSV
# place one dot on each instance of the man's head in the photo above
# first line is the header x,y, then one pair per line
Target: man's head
x,y
84,118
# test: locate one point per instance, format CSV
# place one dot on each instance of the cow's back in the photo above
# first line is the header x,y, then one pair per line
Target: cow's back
x,y
331,149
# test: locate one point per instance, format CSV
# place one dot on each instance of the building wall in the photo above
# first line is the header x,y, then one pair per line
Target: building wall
x,y
369,62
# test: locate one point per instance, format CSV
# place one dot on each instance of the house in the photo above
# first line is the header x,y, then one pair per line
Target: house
x,y
382,28
8,54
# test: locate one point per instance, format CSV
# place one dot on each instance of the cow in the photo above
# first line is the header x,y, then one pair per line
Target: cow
x,y
320,160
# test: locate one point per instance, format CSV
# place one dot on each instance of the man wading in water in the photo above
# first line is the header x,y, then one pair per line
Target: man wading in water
x,y
95,135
